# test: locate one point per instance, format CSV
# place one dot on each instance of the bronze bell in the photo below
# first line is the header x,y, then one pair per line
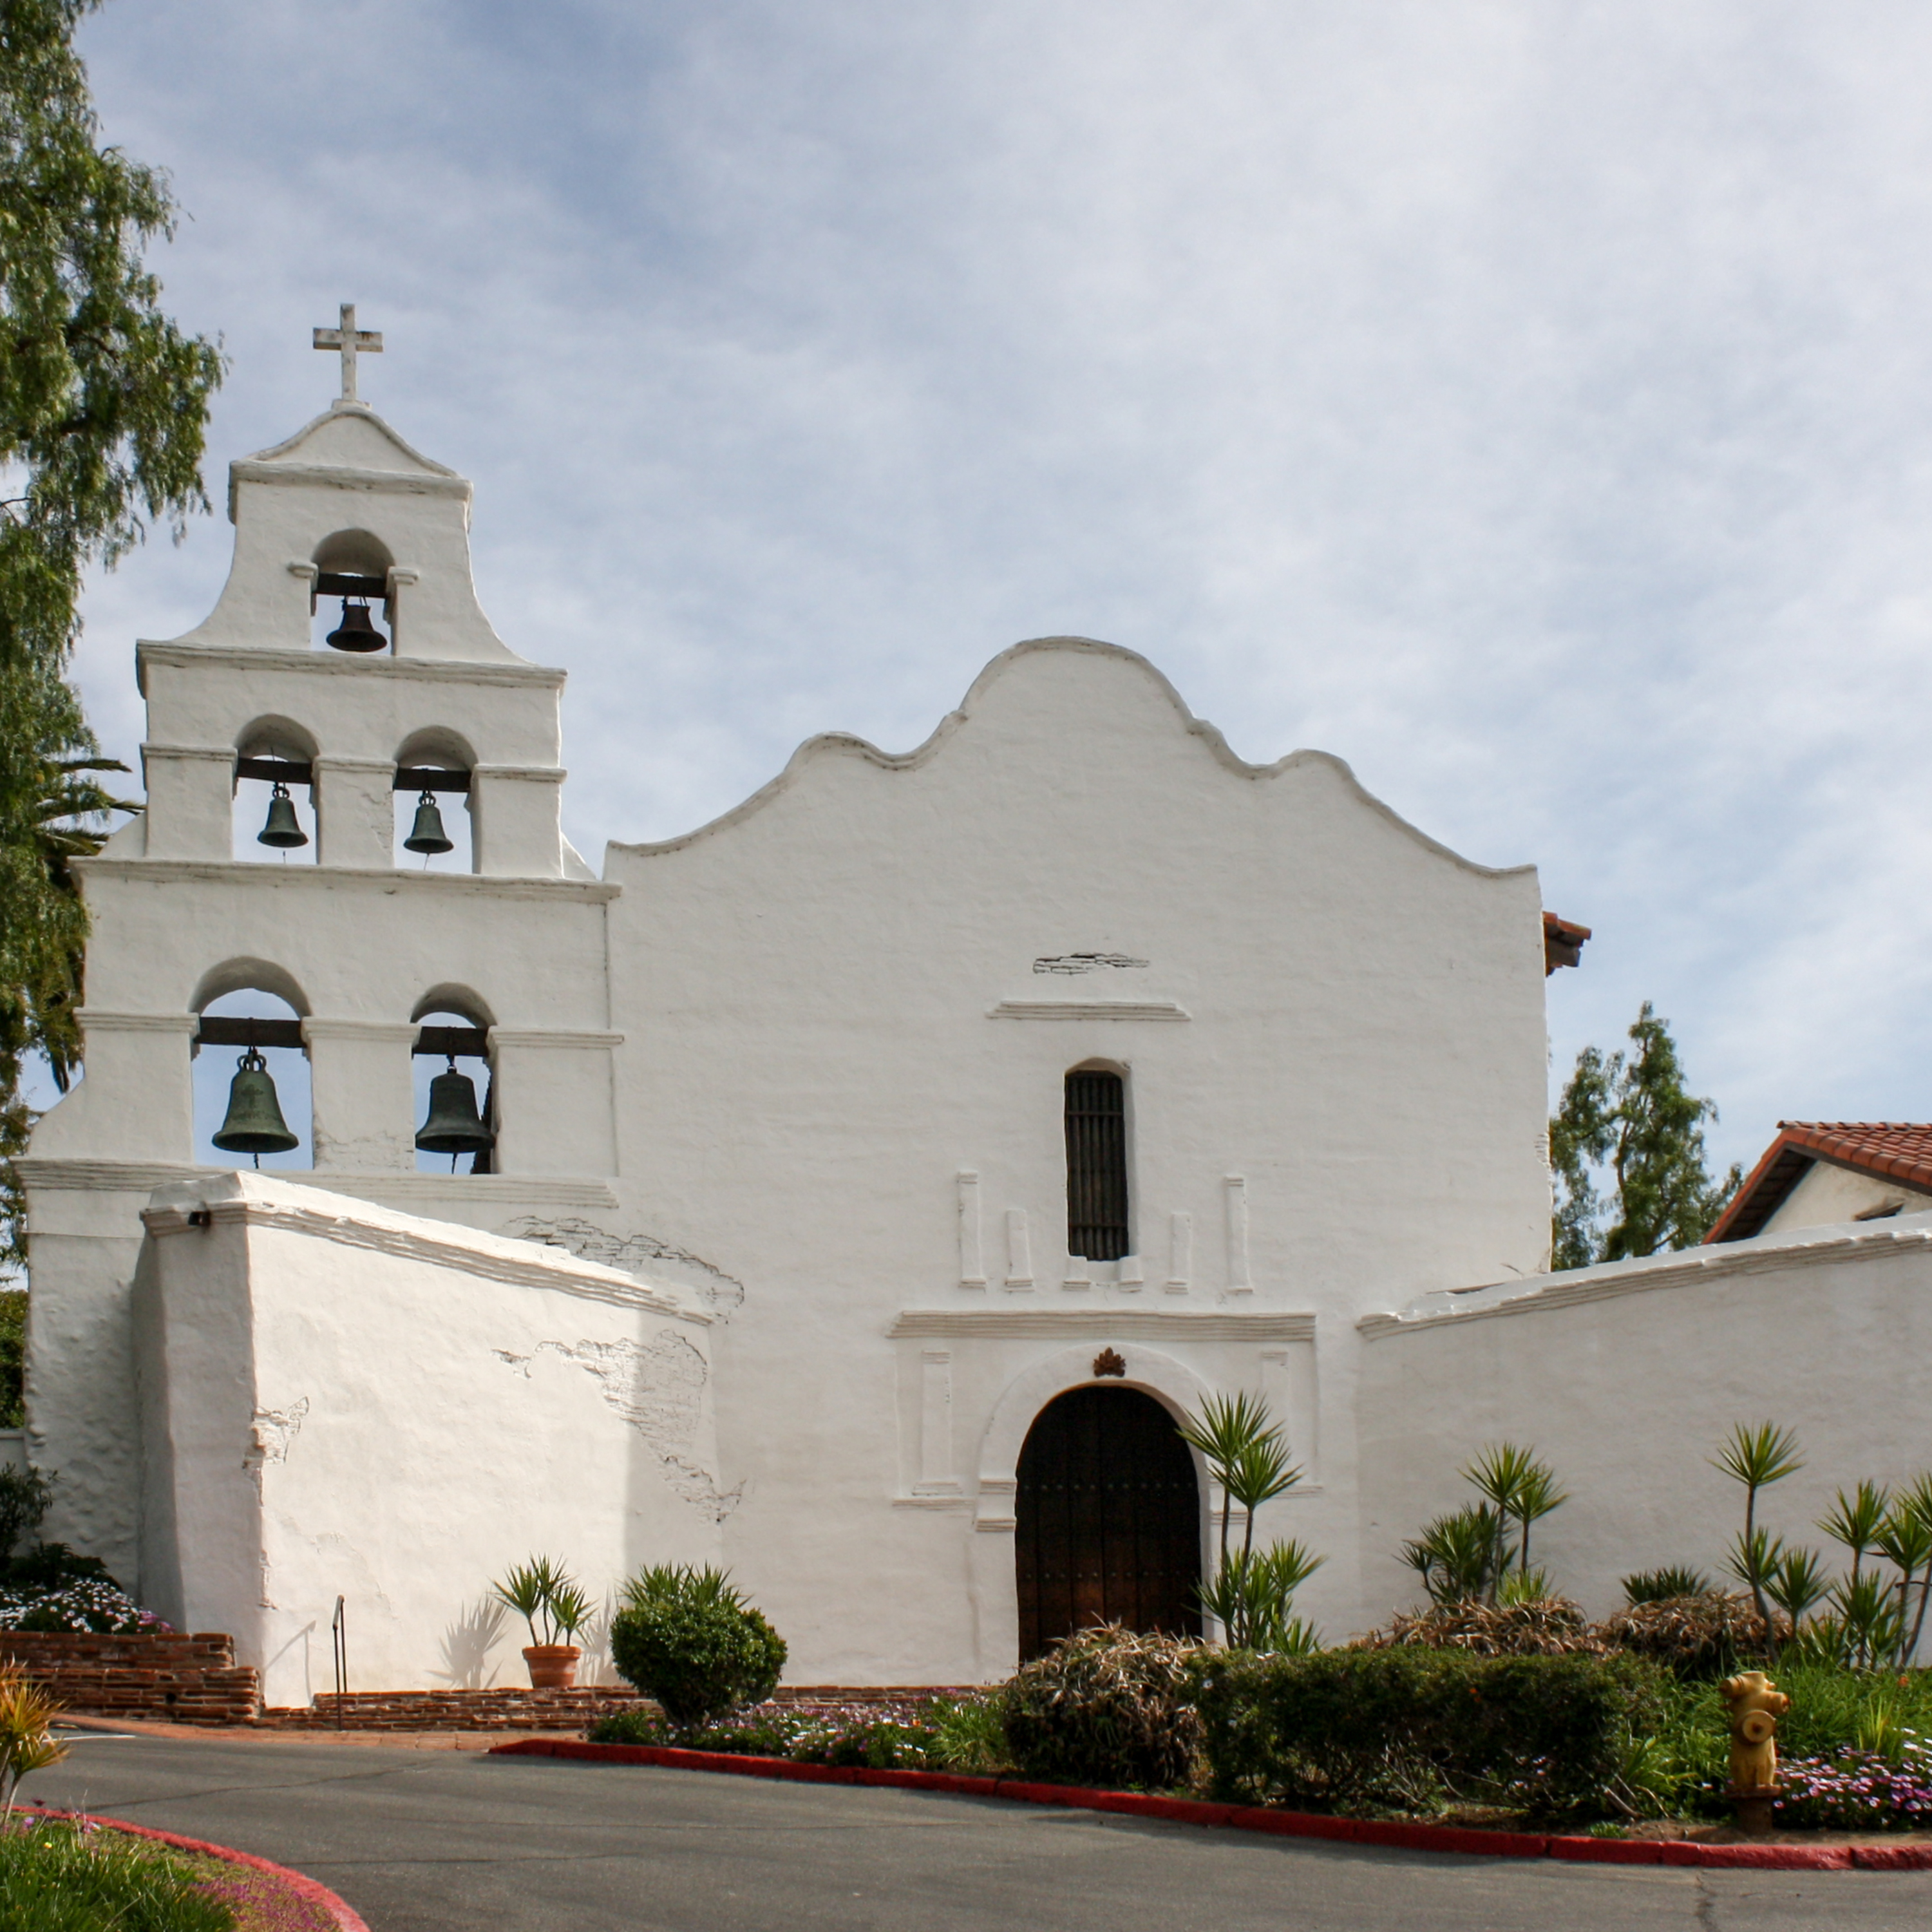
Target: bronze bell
x,y
454,1126
281,830
428,835
254,1124
356,632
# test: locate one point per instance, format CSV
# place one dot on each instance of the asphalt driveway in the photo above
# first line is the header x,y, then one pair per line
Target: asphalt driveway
x,y
446,1841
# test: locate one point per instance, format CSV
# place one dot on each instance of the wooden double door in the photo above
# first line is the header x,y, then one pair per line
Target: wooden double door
x,y
1109,1520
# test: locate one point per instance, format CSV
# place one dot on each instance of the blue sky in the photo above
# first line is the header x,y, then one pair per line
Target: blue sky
x,y
1531,405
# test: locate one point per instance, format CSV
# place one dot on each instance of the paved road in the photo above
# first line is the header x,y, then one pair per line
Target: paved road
x,y
441,1841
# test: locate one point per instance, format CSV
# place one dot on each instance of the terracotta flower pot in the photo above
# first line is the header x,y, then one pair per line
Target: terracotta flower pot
x,y
553,1666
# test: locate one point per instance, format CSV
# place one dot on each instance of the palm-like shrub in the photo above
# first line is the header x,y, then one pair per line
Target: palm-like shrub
x,y
1252,1594
1108,1706
686,1637
1657,1586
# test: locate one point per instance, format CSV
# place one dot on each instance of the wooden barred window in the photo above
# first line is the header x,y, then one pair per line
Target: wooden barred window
x,y
1096,1166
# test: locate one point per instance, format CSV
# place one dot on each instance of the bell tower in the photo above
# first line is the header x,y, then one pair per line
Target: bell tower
x,y
348,679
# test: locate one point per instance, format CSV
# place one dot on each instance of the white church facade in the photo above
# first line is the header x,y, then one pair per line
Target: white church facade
x,y
870,1175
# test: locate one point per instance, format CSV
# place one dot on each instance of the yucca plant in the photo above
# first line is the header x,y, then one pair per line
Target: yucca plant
x,y
1904,1539
1467,1555
1797,1583
1252,1593
1456,1555
1756,1458
1659,1586
545,1595
1521,1490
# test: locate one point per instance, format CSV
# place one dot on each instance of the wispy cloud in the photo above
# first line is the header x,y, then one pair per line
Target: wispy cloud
x,y
1530,404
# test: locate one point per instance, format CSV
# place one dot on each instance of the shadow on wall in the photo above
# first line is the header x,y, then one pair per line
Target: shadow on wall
x,y
467,1643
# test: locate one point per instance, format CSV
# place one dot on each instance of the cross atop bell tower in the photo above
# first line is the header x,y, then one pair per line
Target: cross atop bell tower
x,y
349,340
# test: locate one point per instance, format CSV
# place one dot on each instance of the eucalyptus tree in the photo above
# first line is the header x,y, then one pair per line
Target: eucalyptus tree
x,y
104,408
1630,1119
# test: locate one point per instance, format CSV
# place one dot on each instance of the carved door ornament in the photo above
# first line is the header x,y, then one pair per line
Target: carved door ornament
x,y
1109,1362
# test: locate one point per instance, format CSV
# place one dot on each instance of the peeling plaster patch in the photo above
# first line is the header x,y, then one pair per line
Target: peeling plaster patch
x,y
270,1434
521,1363
1086,962
657,1387
633,1254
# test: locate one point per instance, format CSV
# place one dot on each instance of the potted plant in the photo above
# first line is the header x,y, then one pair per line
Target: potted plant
x,y
545,1595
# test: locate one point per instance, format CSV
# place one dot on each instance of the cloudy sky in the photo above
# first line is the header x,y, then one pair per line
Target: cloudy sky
x,y
1531,403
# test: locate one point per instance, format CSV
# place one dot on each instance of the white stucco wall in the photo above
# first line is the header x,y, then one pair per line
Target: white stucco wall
x,y
865,984
1626,1377
1828,1194
338,1400
805,1066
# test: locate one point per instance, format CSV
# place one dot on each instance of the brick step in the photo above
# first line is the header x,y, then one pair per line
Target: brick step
x,y
504,1707
168,1675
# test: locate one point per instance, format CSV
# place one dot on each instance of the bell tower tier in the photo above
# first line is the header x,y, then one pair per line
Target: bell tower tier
x,y
408,904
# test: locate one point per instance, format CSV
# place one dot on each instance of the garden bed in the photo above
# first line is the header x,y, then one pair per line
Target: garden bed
x,y
1790,1851
261,1896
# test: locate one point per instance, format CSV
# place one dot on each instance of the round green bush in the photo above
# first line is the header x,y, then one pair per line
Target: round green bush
x,y
686,1637
1108,1707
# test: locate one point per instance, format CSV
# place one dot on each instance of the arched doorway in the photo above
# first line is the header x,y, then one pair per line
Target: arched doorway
x,y
1109,1520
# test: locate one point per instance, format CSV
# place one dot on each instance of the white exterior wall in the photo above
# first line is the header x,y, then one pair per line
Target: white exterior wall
x,y
357,945
336,1400
1626,1377
1828,1194
805,1064
832,1011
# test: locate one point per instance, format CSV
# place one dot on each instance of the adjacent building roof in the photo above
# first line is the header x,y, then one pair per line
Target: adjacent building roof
x,y
1563,942
1894,1150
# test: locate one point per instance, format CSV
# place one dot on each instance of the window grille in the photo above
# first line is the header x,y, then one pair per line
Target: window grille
x,y
1096,1166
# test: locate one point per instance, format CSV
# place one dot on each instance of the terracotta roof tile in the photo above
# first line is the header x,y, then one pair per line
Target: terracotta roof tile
x,y
1901,1151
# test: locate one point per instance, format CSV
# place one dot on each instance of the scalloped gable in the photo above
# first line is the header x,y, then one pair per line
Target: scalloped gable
x,y
351,438
999,698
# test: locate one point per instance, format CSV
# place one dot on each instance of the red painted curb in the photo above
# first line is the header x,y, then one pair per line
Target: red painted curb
x,y
347,1919
1389,1832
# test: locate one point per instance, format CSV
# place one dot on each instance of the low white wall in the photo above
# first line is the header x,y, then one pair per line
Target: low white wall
x,y
339,1400
1626,1377
13,1448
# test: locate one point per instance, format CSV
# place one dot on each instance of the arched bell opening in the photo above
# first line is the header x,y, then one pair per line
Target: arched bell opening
x,y
274,819
253,1104
454,1087
351,597
433,828
1108,1514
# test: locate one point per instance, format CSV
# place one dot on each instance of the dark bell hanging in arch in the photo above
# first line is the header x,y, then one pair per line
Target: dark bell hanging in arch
x,y
428,835
453,1125
254,1124
356,632
281,830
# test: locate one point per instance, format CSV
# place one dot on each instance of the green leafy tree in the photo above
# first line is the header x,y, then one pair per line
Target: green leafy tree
x,y
104,408
1629,1118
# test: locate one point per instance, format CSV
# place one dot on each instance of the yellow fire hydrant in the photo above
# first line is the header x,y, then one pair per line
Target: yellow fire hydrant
x,y
1752,1706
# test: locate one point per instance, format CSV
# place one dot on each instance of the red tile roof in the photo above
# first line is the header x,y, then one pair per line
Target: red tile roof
x,y
1898,1150
1563,943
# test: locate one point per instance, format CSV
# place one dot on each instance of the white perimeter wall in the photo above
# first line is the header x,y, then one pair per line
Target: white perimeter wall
x,y
337,1399
1626,1377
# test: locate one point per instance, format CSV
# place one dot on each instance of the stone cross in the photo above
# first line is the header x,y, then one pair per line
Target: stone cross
x,y
349,339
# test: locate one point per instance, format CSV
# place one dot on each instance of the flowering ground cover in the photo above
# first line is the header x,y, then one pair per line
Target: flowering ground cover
x,y
80,1603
